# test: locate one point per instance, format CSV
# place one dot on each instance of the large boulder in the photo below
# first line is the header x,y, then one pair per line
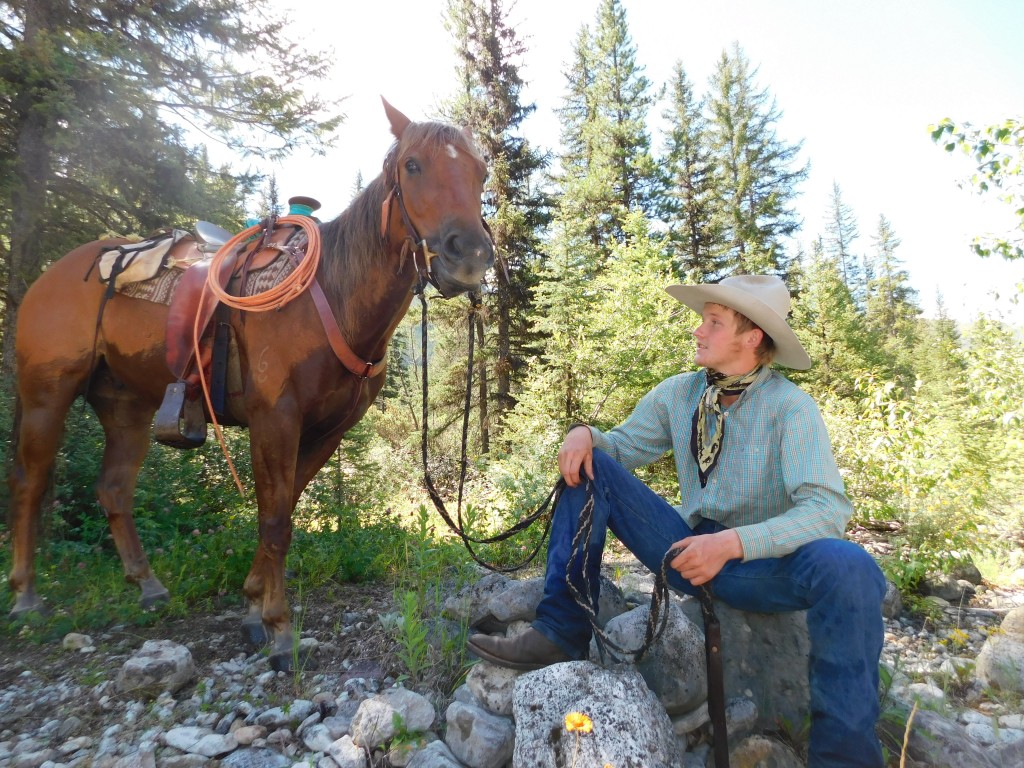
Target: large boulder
x,y
471,604
765,656
1001,661
629,725
675,668
516,600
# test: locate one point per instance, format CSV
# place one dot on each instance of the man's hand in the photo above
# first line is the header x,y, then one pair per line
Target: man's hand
x,y
703,556
577,451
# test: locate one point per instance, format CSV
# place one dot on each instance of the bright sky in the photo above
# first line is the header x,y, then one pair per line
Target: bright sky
x,y
858,83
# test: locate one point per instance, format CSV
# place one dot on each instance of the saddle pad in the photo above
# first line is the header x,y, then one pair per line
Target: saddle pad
x,y
160,288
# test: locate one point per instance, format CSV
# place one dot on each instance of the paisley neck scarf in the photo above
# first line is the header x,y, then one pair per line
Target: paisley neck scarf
x,y
709,419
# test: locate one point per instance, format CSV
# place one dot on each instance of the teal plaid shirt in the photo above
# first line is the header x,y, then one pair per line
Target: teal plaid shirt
x,y
776,483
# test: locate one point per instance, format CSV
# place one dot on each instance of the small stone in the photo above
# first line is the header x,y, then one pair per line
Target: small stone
x,y
317,738
74,641
253,757
200,741
247,734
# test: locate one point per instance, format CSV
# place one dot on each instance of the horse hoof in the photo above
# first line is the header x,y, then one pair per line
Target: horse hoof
x,y
255,634
155,598
28,606
288,661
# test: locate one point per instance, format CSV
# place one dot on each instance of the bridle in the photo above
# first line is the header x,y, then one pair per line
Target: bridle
x,y
413,242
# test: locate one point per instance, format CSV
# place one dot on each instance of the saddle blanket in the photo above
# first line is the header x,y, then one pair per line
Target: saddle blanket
x,y
159,288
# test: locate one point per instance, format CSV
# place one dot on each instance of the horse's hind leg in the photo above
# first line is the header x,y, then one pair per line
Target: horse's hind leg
x,y
126,424
44,405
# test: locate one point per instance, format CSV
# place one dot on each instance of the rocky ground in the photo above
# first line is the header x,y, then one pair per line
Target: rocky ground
x,y
60,704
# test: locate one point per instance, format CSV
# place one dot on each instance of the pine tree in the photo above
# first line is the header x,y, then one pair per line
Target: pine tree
x,y
607,169
270,199
577,114
623,99
840,232
831,329
489,102
690,200
757,180
638,335
89,92
606,175
938,357
891,304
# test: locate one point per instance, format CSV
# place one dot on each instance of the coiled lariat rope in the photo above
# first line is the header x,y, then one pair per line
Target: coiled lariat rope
x,y
294,283
291,286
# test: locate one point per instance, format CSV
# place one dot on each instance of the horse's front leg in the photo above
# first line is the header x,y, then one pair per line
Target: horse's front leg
x,y
312,457
274,443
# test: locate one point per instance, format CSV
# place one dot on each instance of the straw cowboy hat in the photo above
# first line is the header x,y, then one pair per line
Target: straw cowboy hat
x,y
762,298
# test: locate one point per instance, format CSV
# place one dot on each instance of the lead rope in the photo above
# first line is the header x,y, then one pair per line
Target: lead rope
x,y
657,615
545,510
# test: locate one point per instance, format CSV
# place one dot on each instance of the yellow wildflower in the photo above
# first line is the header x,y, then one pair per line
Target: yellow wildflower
x,y
577,722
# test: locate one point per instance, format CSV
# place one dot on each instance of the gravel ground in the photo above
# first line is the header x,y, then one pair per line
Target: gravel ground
x,y
60,706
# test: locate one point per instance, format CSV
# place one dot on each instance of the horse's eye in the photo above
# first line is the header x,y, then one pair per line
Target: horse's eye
x,y
411,166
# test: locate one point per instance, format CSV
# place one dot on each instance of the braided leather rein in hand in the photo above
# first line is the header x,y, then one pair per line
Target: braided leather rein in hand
x,y
657,616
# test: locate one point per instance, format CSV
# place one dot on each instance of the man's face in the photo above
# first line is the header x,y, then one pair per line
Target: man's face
x,y
719,346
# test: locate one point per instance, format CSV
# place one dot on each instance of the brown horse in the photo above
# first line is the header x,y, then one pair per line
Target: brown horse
x,y
297,398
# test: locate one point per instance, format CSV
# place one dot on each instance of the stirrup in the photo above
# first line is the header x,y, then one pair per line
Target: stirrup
x,y
179,423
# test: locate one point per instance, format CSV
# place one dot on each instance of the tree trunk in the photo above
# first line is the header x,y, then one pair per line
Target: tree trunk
x,y
33,124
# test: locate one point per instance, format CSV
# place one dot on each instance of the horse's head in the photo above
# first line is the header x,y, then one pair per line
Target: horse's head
x,y
438,177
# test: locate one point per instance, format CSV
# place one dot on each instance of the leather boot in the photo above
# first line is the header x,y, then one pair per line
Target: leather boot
x,y
530,650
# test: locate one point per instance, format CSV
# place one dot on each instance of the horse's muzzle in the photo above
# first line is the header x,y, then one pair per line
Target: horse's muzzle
x,y
461,262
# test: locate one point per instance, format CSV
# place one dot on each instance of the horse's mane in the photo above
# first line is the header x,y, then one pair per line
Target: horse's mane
x,y
352,246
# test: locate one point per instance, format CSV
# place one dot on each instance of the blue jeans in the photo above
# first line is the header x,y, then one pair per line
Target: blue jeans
x,y
835,581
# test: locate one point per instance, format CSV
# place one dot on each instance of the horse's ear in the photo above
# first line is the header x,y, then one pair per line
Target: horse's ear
x,y
469,135
399,122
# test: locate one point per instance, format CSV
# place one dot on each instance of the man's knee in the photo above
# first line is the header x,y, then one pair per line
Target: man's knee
x,y
842,565
605,463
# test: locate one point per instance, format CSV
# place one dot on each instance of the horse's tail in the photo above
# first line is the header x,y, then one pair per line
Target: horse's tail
x,y
12,445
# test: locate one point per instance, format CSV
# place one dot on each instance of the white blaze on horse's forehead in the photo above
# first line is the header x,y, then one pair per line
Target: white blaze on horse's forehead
x,y
451,150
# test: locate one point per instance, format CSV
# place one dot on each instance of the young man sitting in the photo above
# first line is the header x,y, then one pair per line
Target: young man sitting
x,y
762,513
